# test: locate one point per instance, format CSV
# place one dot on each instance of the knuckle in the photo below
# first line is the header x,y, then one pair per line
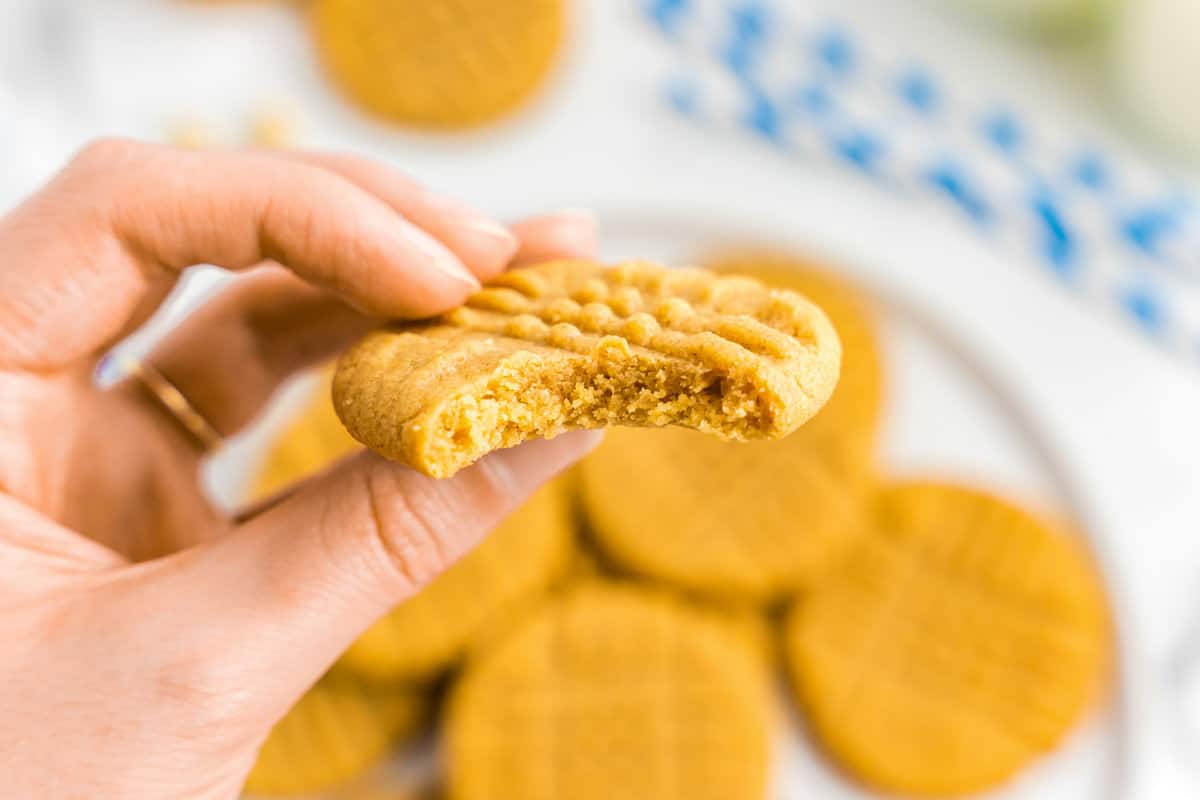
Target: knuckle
x,y
411,527
105,168
108,151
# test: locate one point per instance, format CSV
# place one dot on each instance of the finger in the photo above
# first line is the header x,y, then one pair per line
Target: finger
x,y
230,356
91,255
295,585
484,245
565,234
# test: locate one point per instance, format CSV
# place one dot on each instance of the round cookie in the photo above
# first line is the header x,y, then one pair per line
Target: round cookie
x,y
338,730
476,598
753,521
562,345
745,521
611,691
960,639
438,64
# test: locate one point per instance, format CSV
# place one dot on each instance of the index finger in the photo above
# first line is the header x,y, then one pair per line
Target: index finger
x,y
93,253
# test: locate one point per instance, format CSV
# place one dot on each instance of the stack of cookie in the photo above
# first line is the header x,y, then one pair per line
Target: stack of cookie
x,y
617,637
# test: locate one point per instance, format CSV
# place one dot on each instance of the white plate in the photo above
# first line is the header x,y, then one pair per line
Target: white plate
x,y
946,416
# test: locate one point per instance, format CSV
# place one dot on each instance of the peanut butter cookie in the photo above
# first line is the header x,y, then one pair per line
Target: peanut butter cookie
x,y
338,730
962,638
752,521
612,691
852,414
443,64
746,522
566,345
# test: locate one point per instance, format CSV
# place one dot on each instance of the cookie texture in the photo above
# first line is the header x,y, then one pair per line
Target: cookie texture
x,y
566,345
611,691
338,730
444,64
476,599
962,638
745,522
851,417
753,521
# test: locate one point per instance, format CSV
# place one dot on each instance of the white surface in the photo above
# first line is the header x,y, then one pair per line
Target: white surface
x,y
1118,417
946,416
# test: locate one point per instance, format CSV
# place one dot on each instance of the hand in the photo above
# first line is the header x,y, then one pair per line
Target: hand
x,y
147,642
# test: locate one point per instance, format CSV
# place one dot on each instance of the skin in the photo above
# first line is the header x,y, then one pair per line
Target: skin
x,y
149,641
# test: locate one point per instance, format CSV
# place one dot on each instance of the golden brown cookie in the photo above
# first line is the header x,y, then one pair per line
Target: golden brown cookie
x,y
753,521
443,64
853,412
338,730
566,345
611,692
962,638
748,522
475,599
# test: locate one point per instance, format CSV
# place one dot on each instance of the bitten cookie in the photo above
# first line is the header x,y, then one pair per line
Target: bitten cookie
x,y
566,345
611,691
852,414
962,638
750,521
444,64
338,730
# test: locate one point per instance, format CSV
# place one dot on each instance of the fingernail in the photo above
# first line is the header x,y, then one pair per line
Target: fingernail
x,y
575,230
491,237
445,262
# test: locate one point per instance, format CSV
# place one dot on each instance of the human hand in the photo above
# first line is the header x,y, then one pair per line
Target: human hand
x,y
149,641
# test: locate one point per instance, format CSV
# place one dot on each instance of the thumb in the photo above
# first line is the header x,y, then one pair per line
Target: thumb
x,y
277,601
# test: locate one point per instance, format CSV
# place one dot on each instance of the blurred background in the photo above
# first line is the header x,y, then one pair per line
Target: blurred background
x,y
1010,187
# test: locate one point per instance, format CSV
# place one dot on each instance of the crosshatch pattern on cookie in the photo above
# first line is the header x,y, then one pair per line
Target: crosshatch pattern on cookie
x,y
339,729
756,520
853,412
613,691
961,639
752,522
576,344
445,64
